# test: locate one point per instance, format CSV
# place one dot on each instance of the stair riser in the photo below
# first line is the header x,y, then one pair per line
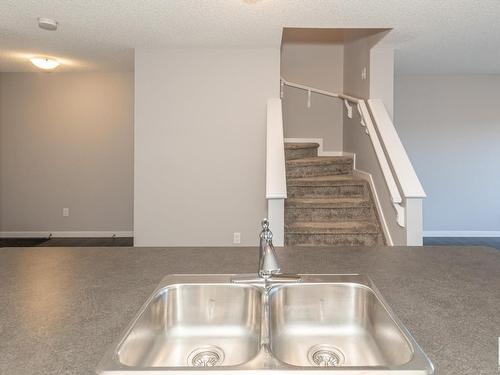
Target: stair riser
x,y
301,153
294,214
318,170
301,239
340,191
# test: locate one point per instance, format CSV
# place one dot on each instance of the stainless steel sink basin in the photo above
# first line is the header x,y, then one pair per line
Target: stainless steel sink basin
x,y
335,324
196,325
226,323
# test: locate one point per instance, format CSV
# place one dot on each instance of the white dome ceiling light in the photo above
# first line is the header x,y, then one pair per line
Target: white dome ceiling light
x,y
47,24
45,63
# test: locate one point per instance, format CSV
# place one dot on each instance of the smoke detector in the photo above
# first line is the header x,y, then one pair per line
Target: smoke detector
x,y
47,24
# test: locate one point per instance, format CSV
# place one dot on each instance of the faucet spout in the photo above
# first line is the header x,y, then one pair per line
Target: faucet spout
x,y
268,261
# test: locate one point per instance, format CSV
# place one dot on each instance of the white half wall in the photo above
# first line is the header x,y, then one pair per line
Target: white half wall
x,y
200,144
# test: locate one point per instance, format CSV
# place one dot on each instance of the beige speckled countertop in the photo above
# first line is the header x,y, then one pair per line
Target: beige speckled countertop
x,y
60,308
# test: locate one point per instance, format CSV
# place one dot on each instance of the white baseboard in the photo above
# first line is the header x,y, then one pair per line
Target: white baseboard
x,y
385,228
64,234
321,151
461,233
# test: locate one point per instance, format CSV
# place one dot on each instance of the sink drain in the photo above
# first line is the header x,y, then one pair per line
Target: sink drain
x,y
325,356
207,356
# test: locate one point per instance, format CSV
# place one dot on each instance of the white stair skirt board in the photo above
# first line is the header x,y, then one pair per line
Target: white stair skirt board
x,y
368,177
321,152
65,234
461,233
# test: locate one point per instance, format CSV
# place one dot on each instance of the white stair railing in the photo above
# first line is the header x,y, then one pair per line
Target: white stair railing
x,y
402,182
408,180
275,171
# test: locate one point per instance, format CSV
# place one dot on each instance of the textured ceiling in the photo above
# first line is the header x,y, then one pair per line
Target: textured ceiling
x,y
431,36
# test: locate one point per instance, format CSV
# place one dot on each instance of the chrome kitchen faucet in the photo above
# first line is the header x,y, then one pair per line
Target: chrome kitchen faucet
x,y
268,262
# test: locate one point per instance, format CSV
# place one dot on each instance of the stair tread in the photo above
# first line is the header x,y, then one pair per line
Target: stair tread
x,y
334,202
342,179
342,227
318,160
296,146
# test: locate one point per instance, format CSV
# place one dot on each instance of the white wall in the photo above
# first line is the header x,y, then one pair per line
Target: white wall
x,y
66,140
382,76
314,64
200,124
318,65
450,126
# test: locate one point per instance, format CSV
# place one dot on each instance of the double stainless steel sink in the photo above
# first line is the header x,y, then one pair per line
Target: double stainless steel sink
x,y
326,323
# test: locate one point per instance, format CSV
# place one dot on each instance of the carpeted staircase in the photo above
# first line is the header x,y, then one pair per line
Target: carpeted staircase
x,y
327,205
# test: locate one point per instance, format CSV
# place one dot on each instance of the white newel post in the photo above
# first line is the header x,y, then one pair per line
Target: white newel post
x,y
276,216
414,222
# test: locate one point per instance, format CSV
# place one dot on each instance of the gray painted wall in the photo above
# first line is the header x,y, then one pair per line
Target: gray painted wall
x,y
66,140
200,144
318,65
356,58
450,126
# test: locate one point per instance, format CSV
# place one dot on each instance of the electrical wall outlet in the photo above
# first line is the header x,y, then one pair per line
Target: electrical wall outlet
x,y
65,211
363,74
236,237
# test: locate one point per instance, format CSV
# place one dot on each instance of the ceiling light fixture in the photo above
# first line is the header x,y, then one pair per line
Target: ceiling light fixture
x,y
47,24
45,63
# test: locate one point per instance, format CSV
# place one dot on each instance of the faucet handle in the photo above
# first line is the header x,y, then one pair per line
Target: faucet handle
x,y
266,233
265,224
